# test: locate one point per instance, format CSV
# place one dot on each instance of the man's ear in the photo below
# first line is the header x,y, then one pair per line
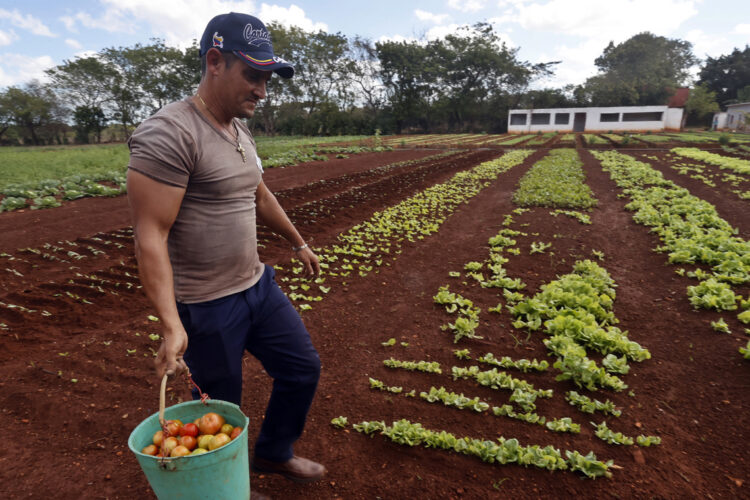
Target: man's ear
x,y
214,61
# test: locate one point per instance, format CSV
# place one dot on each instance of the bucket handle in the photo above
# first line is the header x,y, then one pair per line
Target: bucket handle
x,y
162,399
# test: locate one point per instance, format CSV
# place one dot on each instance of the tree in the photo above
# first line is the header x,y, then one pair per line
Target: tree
x,y
407,76
88,120
82,81
643,70
34,110
701,104
728,75
473,63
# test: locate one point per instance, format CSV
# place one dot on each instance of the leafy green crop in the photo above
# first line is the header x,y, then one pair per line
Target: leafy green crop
x,y
557,180
588,405
606,434
421,366
502,451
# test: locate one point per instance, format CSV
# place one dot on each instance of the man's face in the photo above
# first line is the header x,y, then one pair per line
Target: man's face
x,y
245,87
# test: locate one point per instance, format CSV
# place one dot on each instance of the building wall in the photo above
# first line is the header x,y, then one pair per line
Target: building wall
x,y
736,116
597,119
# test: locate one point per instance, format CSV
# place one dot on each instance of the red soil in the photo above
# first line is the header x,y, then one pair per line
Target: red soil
x,y
69,439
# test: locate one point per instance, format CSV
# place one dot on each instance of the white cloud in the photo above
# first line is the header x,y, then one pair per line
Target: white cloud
x,y
27,22
705,44
70,23
611,20
72,43
423,15
742,29
17,69
6,37
292,16
178,22
577,62
466,5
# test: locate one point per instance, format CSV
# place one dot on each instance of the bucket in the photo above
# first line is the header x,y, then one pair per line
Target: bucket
x,y
221,474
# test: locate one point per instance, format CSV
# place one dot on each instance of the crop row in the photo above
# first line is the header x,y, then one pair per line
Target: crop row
x,y
691,230
365,246
724,162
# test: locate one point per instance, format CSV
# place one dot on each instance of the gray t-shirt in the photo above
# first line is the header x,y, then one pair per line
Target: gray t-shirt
x,y
212,243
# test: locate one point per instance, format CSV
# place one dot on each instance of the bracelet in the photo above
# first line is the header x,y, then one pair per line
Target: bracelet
x,y
297,249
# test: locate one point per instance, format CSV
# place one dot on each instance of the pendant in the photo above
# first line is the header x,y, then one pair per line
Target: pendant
x,y
241,151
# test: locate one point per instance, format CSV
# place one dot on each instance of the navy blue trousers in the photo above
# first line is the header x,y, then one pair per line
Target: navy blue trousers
x,y
262,321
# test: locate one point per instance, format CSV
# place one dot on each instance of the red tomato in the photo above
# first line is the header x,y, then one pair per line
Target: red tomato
x,y
189,442
150,450
158,438
235,432
173,427
179,451
218,441
189,430
211,423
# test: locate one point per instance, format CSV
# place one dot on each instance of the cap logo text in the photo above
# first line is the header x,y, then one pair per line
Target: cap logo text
x,y
256,37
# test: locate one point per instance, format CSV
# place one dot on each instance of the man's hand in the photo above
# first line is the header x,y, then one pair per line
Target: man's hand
x,y
310,261
169,356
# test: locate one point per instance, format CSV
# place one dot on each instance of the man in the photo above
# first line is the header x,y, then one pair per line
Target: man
x,y
195,187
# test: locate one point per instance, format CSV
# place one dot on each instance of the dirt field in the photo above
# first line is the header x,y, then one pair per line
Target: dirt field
x,y
85,319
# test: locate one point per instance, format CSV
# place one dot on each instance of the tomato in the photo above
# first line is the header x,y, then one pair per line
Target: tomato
x,y
198,451
218,441
189,442
189,430
170,444
227,429
211,423
158,438
179,451
173,427
204,440
235,432
150,450
197,421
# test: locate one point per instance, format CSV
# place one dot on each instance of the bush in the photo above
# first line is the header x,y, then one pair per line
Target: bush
x,y
724,139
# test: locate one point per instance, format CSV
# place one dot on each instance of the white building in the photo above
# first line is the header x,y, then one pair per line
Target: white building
x,y
735,117
595,119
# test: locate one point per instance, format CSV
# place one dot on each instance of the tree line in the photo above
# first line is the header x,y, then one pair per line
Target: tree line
x,y
464,82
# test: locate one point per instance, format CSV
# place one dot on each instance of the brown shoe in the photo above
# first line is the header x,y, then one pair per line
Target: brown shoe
x,y
297,469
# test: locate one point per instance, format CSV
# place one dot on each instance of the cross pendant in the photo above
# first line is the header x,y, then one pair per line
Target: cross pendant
x,y
241,151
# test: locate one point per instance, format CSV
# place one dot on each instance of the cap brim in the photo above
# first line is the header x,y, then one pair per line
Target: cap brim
x,y
266,62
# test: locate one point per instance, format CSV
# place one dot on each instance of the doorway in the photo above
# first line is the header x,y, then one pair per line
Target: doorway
x,y
579,122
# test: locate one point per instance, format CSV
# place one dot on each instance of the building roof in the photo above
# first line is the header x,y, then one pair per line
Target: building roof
x,y
679,98
738,104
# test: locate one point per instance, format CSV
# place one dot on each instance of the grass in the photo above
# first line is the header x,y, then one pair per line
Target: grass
x,y
31,165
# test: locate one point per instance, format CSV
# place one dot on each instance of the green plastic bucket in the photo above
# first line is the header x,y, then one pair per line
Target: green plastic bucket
x,y
221,474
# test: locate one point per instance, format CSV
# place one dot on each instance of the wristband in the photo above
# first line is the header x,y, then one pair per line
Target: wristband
x,y
297,249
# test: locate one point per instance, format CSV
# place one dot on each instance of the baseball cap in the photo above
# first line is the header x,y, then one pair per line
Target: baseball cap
x,y
247,37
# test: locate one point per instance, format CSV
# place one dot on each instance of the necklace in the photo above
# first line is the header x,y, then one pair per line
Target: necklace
x,y
240,149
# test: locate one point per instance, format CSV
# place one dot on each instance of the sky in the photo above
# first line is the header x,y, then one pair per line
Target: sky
x,y
39,34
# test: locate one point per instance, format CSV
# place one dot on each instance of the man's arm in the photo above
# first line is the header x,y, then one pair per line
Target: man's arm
x,y
272,215
154,207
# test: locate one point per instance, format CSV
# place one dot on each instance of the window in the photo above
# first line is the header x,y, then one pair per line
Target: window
x,y
517,119
540,118
562,118
654,116
609,117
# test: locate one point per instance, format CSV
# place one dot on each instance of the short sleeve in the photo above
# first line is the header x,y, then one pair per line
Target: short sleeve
x,y
162,150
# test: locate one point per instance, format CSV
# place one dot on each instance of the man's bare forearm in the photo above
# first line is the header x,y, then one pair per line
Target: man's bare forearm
x,y
155,272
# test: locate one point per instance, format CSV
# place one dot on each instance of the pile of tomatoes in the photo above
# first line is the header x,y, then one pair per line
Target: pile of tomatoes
x,y
207,433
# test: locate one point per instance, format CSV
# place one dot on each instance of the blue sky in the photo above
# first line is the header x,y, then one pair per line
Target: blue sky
x,y
38,34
